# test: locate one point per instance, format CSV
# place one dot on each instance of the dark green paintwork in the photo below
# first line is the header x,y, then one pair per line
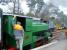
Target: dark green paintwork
x,y
8,29
28,33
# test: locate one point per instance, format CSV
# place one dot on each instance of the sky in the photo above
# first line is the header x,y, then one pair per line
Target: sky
x,y
24,6
62,4
4,8
9,7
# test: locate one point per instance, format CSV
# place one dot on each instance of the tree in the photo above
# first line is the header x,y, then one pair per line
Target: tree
x,y
35,6
31,4
40,4
12,7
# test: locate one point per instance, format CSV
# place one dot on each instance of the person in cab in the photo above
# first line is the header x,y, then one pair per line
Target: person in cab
x,y
19,34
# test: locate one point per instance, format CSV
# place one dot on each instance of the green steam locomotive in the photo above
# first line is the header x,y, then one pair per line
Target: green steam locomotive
x,y
36,32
